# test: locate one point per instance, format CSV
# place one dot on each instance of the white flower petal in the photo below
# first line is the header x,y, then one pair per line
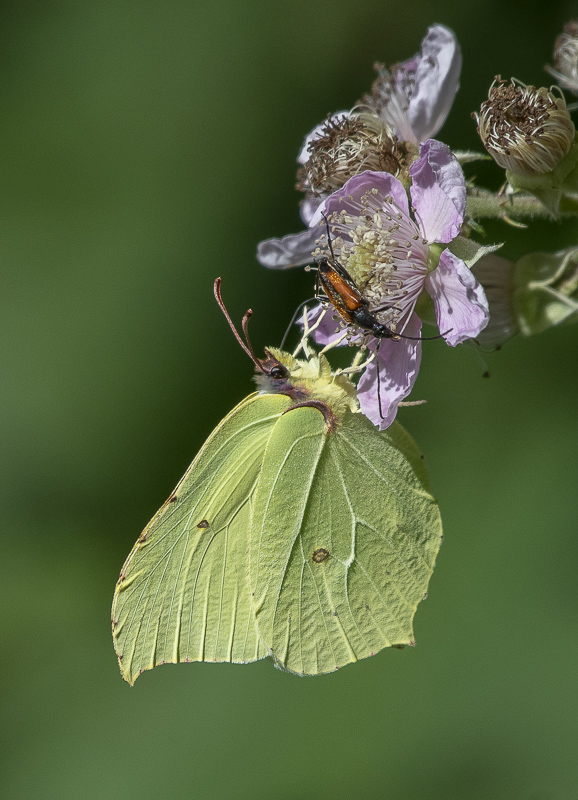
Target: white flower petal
x,y
292,250
325,332
436,82
438,191
398,364
308,208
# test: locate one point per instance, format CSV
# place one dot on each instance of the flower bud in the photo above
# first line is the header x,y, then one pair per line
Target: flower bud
x,y
527,131
347,146
565,68
546,290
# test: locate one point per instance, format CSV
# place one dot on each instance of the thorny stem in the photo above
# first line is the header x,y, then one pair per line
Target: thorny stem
x,y
484,204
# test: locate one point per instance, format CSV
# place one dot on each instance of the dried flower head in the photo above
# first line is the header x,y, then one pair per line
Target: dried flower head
x,y
565,68
526,130
343,147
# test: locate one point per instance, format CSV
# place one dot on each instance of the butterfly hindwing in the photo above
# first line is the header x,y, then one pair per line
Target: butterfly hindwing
x,y
343,543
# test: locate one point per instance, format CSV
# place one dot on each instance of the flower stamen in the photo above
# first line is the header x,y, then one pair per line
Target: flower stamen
x,y
345,147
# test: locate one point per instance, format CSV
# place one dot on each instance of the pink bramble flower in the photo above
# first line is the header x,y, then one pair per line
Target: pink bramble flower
x,y
393,253
565,68
415,97
407,105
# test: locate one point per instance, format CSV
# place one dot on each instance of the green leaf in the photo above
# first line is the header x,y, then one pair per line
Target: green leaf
x,y
345,535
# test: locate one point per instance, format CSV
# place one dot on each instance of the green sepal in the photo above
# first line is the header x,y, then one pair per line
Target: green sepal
x,y
469,156
550,187
470,251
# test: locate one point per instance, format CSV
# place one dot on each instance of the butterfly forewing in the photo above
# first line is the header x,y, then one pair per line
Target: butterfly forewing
x,y
183,594
343,542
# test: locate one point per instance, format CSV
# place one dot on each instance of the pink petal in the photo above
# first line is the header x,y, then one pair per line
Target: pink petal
x,y
398,365
438,192
347,198
436,82
292,250
460,303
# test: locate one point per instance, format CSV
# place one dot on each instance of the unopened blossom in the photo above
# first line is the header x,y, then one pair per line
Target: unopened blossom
x,y
393,253
565,68
526,130
408,104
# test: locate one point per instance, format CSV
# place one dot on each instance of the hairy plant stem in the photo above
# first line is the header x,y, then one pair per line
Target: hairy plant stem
x,y
482,204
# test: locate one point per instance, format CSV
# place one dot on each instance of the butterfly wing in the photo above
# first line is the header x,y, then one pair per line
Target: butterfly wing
x,y
344,538
183,594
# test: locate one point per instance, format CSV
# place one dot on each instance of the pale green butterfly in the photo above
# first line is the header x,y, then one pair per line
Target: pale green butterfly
x,y
299,532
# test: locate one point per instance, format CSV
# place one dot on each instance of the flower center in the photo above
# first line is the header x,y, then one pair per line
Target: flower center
x,y
385,254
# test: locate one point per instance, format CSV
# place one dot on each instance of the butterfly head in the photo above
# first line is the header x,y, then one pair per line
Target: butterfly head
x,y
310,379
301,380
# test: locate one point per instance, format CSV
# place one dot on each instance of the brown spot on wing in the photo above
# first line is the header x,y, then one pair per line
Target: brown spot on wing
x,y
320,555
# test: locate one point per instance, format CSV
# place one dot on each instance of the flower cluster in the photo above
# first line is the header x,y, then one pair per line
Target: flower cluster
x,y
391,220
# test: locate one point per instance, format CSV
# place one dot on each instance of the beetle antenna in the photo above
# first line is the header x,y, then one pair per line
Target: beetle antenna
x,y
293,318
328,236
378,379
422,338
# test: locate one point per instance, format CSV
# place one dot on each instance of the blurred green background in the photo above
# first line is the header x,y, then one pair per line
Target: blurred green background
x,y
146,148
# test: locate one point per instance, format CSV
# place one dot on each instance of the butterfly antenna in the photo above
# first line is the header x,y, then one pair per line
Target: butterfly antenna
x,y
245,326
248,349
